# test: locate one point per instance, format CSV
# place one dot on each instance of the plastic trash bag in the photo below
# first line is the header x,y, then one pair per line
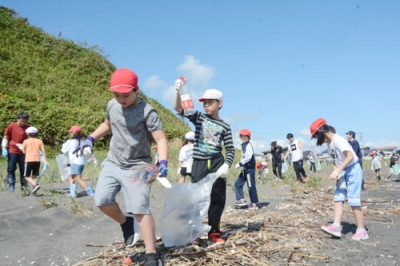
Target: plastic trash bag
x,y
284,167
318,166
62,161
394,170
185,208
341,181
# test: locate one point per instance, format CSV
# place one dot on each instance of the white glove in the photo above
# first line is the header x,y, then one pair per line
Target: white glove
x,y
223,171
19,145
179,84
237,166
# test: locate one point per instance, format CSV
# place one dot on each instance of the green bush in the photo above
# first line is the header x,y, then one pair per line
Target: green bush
x,y
58,83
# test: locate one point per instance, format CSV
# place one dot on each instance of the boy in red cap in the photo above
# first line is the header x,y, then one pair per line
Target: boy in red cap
x,y
347,170
247,164
133,124
211,131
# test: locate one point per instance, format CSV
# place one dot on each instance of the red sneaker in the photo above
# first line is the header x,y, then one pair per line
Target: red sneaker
x,y
305,179
298,182
216,238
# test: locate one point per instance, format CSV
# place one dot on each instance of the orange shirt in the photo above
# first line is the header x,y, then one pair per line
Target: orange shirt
x,y
32,148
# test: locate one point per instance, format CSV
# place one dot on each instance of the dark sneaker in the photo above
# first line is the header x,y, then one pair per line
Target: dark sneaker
x,y
130,236
35,188
216,238
151,259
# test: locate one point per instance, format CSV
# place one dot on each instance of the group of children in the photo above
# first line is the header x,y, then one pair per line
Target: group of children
x,y
135,124
35,153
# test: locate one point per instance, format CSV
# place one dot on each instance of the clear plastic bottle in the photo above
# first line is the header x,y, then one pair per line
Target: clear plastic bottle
x,y
186,98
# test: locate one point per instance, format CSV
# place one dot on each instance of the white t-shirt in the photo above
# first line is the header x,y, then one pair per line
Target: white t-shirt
x,y
295,150
69,147
186,156
336,148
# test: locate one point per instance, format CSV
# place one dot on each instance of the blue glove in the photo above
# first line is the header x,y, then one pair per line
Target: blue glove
x,y
87,143
4,152
163,168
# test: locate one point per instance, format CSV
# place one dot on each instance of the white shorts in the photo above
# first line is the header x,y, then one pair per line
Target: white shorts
x,y
113,178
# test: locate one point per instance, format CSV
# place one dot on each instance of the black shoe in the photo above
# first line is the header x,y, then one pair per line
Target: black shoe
x,y
130,236
35,188
151,259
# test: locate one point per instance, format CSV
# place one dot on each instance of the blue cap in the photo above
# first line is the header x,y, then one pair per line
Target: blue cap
x,y
351,133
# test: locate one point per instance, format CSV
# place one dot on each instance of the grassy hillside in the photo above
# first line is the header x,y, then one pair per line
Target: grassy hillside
x,y
57,82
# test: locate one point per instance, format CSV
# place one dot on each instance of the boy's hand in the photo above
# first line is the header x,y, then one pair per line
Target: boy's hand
x,y
223,171
179,84
237,166
163,168
86,147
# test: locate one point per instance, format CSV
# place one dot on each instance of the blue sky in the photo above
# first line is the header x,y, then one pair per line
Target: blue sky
x,y
279,64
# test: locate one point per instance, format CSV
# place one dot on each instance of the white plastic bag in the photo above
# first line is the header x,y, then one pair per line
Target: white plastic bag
x,y
185,208
341,181
284,167
62,161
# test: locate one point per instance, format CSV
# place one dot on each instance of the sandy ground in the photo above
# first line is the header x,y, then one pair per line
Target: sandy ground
x,y
31,234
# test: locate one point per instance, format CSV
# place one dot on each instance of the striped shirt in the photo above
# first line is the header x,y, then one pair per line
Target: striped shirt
x,y
209,136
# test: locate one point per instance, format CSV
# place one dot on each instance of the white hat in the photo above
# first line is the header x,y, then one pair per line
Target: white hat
x,y
31,130
189,135
211,94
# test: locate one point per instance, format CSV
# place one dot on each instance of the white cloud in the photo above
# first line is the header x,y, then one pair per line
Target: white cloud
x,y
197,74
155,82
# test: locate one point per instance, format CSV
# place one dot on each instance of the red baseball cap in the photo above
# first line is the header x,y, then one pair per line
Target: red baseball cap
x,y
76,129
123,80
317,124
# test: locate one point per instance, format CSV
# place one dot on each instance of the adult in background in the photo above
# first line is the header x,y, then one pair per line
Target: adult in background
x,y
351,137
15,134
296,149
277,159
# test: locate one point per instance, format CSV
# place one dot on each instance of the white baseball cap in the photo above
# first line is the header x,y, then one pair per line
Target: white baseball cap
x,y
189,135
211,94
31,130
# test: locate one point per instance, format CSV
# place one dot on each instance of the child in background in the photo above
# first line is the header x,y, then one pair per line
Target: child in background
x,y
345,163
376,165
210,132
76,162
32,147
247,164
393,166
186,157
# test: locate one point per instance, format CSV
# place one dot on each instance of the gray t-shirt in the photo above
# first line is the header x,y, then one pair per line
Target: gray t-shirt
x,y
131,133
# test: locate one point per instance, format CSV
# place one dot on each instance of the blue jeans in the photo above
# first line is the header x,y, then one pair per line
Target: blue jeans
x,y
246,176
12,161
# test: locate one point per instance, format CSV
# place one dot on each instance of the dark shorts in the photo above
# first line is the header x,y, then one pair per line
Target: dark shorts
x,y
32,168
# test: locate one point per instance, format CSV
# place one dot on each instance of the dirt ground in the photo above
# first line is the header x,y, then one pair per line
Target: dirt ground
x,y
284,231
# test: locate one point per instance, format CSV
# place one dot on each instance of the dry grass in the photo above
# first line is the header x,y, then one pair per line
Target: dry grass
x,y
288,234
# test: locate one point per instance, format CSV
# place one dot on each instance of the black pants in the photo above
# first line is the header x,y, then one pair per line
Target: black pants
x,y
200,169
298,168
275,166
312,166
